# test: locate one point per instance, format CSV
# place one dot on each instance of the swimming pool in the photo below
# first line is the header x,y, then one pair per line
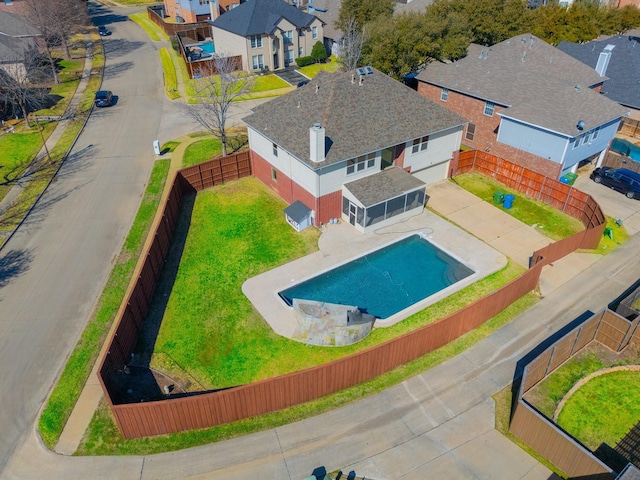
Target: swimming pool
x,y
624,147
385,281
208,47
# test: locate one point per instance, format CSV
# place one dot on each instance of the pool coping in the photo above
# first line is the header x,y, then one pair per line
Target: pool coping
x,y
340,243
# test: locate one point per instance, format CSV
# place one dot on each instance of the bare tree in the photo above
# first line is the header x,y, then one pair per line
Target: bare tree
x,y
22,83
58,21
351,45
220,83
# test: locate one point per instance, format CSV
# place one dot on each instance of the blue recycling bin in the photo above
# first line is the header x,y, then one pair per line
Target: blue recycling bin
x,y
508,200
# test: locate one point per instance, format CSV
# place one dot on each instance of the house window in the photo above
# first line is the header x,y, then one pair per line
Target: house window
x,y
275,149
488,108
471,132
288,36
585,138
256,41
258,62
274,175
578,141
594,135
300,52
444,95
361,163
314,32
204,2
420,144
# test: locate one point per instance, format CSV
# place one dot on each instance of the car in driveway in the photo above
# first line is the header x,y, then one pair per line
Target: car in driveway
x,y
620,179
104,31
104,98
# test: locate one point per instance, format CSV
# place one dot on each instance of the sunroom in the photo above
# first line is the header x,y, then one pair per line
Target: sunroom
x,y
382,199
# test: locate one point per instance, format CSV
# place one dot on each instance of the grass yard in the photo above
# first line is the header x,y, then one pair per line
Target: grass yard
x,y
604,409
211,329
264,83
141,18
201,151
549,221
170,76
312,70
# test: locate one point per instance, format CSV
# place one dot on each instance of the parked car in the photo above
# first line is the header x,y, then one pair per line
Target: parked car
x,y
104,98
620,179
104,31
302,83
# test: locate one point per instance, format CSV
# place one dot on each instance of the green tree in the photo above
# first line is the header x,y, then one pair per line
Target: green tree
x,y
318,52
363,11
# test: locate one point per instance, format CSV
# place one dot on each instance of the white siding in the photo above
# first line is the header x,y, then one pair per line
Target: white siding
x,y
433,174
334,176
439,149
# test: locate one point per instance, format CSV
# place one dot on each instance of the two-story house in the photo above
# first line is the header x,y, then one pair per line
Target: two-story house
x,y
359,146
267,34
528,102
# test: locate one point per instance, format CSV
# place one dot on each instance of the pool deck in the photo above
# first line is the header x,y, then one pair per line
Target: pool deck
x,y
341,242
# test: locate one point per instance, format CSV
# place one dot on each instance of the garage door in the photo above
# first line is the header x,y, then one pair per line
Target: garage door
x,y
434,173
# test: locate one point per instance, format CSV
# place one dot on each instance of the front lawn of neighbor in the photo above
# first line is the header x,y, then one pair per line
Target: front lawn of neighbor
x,y
312,70
549,221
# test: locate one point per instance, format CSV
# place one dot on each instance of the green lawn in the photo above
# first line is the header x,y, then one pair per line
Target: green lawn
x,y
142,20
604,409
549,221
211,329
312,70
201,151
170,76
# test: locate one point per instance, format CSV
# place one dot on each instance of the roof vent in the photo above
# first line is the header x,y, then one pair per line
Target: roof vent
x,y
361,81
578,87
581,124
523,55
317,87
353,78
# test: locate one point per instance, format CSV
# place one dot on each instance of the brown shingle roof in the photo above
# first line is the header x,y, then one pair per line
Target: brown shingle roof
x,y
358,119
537,81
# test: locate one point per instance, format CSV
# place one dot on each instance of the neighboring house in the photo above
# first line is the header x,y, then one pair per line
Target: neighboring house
x,y
528,102
191,11
618,58
330,145
16,37
268,34
327,11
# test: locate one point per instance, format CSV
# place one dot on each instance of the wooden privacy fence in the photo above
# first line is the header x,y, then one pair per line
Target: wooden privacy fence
x,y
615,160
198,31
213,408
542,434
630,127
560,196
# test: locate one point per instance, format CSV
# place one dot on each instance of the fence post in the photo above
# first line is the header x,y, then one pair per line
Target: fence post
x,y
541,187
566,200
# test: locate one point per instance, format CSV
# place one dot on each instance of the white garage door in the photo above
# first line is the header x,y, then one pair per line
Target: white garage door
x,y
434,173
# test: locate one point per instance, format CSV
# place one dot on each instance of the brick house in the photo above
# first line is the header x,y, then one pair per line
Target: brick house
x,y
527,102
192,11
331,146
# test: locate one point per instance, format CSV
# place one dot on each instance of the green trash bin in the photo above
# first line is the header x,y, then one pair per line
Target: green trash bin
x,y
571,177
498,197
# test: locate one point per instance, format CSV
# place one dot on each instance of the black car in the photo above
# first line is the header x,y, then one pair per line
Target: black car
x,y
302,83
620,179
104,98
104,31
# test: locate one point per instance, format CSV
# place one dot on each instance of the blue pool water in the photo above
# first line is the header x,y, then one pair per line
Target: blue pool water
x,y
208,47
624,147
386,281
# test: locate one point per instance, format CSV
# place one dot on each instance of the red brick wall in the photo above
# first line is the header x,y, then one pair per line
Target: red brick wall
x,y
486,134
326,207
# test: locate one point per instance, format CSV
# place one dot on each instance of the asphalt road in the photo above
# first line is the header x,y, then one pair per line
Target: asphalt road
x,y
54,268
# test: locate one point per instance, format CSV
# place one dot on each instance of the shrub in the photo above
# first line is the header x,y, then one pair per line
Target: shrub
x,y
304,61
319,53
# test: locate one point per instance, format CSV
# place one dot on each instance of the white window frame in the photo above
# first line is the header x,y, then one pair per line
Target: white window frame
x,y
256,41
420,144
287,36
444,94
275,149
578,141
594,134
489,108
314,32
361,163
258,62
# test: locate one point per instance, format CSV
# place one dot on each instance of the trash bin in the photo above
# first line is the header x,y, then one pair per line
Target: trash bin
x,y
498,197
564,179
571,177
508,200
608,232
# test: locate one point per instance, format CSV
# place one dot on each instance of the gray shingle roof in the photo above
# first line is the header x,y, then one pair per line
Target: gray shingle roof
x,y
535,80
392,182
15,25
297,211
257,17
328,11
623,71
358,119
